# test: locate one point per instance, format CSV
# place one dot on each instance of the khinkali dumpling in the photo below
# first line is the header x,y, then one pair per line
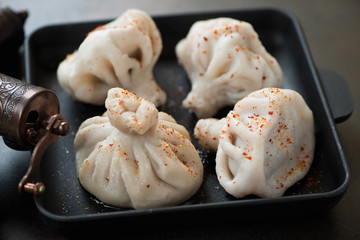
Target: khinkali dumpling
x,y
122,54
136,157
225,61
265,144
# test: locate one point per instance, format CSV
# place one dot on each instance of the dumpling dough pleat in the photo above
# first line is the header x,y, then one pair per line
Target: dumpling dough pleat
x,y
135,157
265,144
122,54
225,61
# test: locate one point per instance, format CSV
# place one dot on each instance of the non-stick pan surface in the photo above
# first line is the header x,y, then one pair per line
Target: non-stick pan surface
x,y
66,201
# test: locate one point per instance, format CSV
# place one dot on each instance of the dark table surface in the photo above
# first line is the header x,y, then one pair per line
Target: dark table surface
x,y
332,32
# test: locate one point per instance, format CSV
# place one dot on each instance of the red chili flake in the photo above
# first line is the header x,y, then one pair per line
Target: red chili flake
x,y
99,28
270,112
107,180
232,75
264,77
237,49
205,38
244,153
214,138
249,157
201,74
148,186
302,149
215,32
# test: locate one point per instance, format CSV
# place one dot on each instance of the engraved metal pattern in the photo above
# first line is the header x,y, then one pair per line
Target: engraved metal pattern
x,y
11,91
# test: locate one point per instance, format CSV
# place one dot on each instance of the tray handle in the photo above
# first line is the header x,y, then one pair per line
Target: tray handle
x,y
338,95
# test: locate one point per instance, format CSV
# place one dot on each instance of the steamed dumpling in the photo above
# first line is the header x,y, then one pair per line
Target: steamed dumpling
x,y
122,54
265,144
136,157
225,61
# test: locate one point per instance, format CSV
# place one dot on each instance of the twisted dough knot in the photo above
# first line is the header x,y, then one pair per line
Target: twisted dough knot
x,y
129,113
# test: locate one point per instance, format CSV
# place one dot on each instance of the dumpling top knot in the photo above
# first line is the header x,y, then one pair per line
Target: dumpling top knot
x,y
129,113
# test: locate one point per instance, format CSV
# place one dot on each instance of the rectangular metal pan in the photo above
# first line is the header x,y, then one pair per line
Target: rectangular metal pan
x,y
66,201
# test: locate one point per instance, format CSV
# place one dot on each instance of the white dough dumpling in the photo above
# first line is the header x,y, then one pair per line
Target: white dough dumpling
x,y
265,144
136,157
225,61
122,54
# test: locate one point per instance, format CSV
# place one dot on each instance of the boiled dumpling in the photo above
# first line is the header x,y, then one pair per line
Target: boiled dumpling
x,y
136,157
225,61
122,54
265,144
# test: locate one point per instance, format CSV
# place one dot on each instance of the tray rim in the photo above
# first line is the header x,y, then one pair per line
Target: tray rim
x,y
337,192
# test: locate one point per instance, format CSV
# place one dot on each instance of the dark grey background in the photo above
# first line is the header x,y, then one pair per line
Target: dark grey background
x,y
333,35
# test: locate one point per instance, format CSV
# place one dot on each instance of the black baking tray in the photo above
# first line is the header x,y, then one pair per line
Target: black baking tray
x,y
65,201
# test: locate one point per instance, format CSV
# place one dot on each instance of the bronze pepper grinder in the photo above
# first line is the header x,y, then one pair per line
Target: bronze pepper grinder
x,y
29,120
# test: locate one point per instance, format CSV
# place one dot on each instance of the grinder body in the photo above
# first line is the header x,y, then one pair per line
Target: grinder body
x,y
29,120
